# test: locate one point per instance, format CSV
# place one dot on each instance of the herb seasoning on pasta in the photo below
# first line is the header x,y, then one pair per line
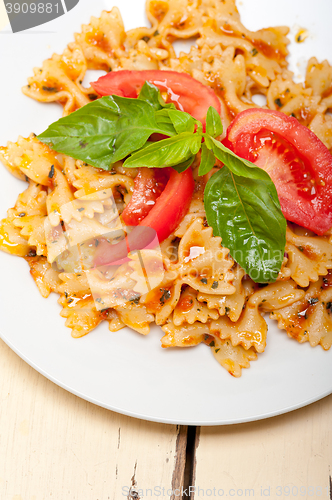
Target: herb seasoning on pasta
x,y
166,195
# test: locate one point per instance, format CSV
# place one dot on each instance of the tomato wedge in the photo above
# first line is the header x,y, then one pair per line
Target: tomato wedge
x,y
149,184
298,163
162,220
184,91
172,205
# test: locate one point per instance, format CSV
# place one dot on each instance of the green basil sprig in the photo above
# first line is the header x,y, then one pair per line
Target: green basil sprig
x,y
214,126
242,206
151,94
166,153
208,160
240,200
244,213
106,130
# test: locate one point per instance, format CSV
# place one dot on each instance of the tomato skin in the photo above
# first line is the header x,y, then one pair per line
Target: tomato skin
x,y
164,217
184,91
172,205
149,184
299,164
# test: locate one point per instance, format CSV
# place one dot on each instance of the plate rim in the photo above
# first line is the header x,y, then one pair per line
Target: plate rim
x,y
141,415
214,423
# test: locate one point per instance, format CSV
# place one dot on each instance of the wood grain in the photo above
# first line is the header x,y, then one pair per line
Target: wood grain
x,y
292,450
179,466
54,445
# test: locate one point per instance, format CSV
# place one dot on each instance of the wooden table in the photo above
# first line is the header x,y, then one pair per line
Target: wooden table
x,y
54,445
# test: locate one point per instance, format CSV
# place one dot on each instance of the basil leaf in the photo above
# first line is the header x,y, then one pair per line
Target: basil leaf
x,y
166,112
237,165
213,122
242,211
182,122
181,167
151,94
163,120
245,168
166,153
208,160
104,131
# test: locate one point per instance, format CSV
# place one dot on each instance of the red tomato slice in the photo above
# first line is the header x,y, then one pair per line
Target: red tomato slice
x,y
149,184
172,205
184,91
298,163
162,220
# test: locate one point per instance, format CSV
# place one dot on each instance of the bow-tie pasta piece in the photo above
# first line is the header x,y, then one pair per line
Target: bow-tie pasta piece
x,y
251,329
147,270
285,272
231,305
135,316
85,230
60,195
172,18
111,288
189,310
232,358
45,276
204,263
106,46
293,99
163,299
33,228
11,240
58,252
230,70
310,319
78,209
74,285
277,296
60,80
30,159
114,322
30,204
69,166
318,76
81,314
196,210
184,335
329,232
79,304
321,125
90,180
308,257
102,40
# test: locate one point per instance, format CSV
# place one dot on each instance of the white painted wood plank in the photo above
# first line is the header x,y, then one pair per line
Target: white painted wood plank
x,y
265,458
55,445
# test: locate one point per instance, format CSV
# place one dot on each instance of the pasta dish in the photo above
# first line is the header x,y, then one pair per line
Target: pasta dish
x,y
167,195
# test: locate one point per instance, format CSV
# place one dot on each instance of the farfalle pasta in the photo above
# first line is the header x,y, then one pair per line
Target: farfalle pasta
x,y
193,289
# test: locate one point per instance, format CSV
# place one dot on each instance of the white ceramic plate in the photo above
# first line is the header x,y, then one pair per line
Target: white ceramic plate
x,y
125,371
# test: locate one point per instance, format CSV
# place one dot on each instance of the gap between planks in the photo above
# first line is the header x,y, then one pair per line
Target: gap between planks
x,y
184,473
185,466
